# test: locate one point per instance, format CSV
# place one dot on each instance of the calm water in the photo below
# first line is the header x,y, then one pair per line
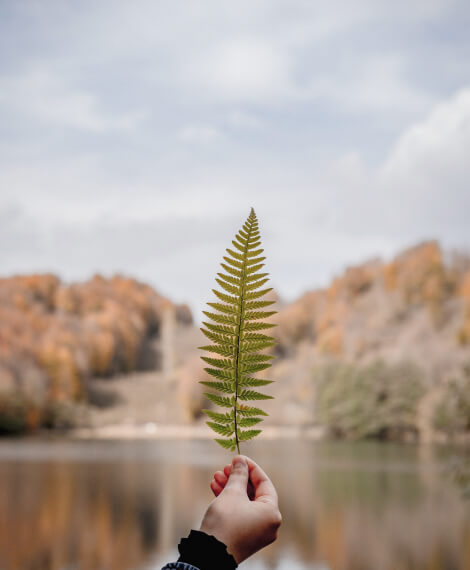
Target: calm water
x,y
95,505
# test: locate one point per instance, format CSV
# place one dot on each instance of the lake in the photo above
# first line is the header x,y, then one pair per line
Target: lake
x,y
92,505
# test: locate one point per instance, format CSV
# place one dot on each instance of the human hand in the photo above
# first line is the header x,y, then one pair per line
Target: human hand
x,y
244,523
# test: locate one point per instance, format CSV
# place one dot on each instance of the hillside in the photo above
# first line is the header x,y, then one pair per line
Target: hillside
x,y
385,348
384,351
55,339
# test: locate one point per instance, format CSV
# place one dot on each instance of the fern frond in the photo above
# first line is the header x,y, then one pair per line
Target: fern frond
x,y
234,324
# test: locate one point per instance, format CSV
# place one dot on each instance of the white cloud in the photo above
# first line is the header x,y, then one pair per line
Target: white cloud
x,y
243,120
372,83
199,134
244,69
42,94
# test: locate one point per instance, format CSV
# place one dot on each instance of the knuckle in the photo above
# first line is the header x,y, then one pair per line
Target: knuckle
x,y
276,520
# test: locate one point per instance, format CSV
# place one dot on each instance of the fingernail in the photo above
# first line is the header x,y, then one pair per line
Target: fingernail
x,y
239,462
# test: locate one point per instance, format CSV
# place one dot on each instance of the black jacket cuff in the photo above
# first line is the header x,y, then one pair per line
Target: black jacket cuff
x,y
205,552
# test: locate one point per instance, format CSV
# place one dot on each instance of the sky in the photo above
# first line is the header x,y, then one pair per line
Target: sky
x,y
136,136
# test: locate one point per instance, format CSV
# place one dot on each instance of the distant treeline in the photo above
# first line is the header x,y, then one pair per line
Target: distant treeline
x,y
55,337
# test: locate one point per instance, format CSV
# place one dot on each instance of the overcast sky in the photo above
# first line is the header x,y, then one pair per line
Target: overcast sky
x,y
135,136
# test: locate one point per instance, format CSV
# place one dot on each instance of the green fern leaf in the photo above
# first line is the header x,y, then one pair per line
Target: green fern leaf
x,y
224,350
233,328
224,308
220,374
225,298
257,326
255,345
249,381
218,362
251,368
253,269
233,262
234,254
218,417
257,336
222,429
252,395
257,315
223,319
255,357
251,262
230,279
232,270
225,329
217,337
248,422
249,411
225,387
229,288
248,434
220,400
228,443
254,277
257,294
255,284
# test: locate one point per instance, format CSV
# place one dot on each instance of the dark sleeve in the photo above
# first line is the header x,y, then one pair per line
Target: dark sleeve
x,y
205,552
179,566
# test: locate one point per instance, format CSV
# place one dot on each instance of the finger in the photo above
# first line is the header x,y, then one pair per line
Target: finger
x,y
250,488
251,491
221,478
264,489
238,479
216,488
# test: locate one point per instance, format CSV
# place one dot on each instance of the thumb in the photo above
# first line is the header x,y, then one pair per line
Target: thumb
x,y
238,479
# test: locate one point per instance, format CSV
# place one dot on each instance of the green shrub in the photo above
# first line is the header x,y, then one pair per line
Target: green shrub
x,y
452,414
373,400
13,414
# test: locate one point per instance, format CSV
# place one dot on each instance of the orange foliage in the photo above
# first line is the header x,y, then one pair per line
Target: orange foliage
x,y
421,277
67,333
463,334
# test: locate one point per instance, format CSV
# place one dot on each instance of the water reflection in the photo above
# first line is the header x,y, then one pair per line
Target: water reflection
x,y
122,506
